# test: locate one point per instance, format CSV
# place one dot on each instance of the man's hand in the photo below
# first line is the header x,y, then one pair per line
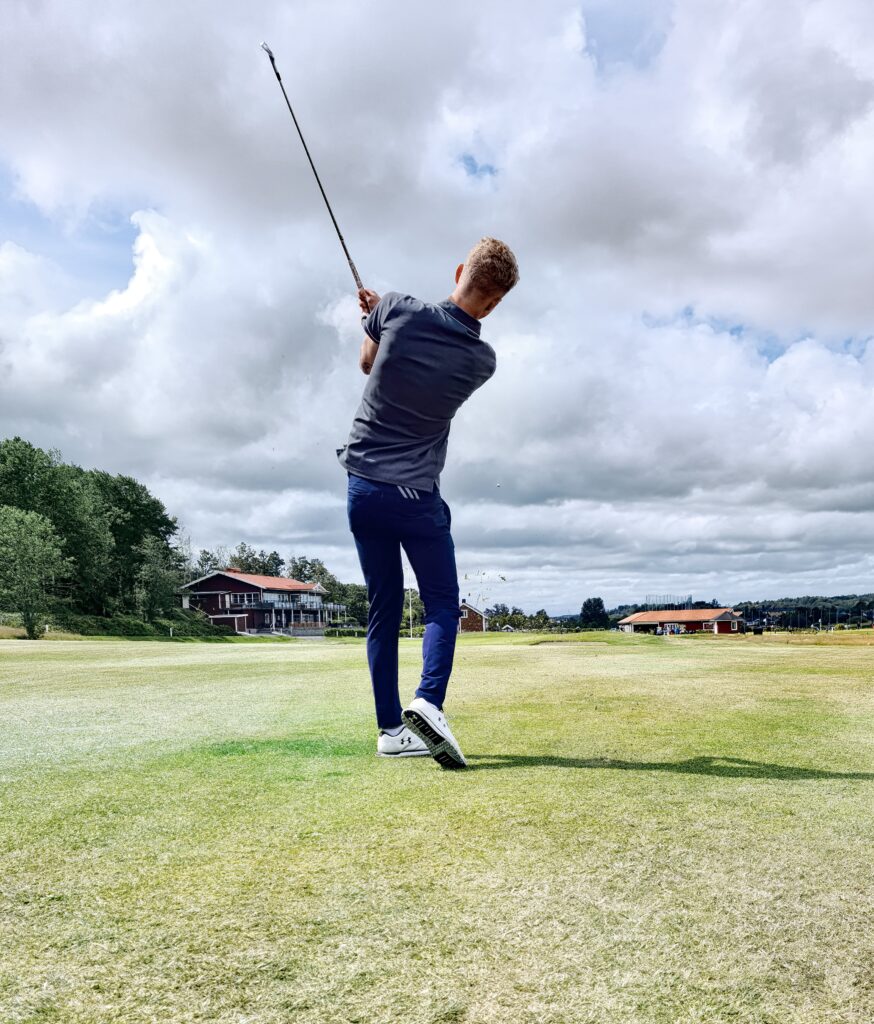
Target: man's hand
x,y
369,348
367,300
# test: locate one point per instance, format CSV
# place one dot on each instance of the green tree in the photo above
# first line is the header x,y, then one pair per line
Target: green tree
x,y
314,570
244,557
84,524
159,577
593,614
247,559
26,475
211,561
540,620
37,481
418,610
517,618
272,564
354,596
185,556
133,514
31,561
498,616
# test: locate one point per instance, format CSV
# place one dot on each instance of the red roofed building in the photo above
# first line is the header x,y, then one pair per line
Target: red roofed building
x,y
684,620
249,603
472,620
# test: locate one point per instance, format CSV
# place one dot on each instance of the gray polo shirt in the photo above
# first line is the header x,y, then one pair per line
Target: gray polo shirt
x,y
431,360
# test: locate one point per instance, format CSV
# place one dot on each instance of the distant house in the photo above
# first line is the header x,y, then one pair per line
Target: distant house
x,y
472,620
687,620
250,603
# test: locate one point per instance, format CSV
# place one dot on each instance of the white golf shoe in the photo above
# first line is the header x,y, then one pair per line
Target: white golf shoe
x,y
429,724
403,744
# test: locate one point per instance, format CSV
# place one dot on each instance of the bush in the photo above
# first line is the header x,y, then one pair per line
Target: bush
x,y
96,625
185,623
354,631
190,623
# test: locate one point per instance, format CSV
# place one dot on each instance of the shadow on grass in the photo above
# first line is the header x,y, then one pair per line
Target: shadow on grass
x,y
724,767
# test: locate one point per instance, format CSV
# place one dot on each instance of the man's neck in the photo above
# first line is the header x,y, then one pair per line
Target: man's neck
x,y
464,304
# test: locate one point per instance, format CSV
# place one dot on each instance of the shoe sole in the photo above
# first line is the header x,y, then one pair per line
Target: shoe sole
x,y
444,752
410,753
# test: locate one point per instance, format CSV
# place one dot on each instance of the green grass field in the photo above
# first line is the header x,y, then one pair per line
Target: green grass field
x,y
653,830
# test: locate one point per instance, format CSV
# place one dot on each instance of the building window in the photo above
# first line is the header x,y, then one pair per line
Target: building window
x,y
734,624
464,613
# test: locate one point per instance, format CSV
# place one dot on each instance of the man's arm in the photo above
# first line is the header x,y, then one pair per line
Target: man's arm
x,y
368,301
369,348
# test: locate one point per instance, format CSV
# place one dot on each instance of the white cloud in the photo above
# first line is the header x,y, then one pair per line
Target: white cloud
x,y
683,399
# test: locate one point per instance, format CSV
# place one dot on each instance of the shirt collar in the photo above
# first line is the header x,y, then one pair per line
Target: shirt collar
x,y
457,313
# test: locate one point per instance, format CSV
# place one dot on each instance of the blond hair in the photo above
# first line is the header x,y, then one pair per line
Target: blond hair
x,y
491,267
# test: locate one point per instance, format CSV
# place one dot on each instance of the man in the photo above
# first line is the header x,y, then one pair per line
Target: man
x,y
423,362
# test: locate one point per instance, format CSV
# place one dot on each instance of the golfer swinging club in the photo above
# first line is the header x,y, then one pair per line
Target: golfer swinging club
x,y
423,362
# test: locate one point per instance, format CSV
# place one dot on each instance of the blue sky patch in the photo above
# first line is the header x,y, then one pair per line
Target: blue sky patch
x,y
767,343
96,252
632,33
474,168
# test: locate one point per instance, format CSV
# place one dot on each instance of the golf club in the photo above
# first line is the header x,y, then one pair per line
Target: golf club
x,y
352,267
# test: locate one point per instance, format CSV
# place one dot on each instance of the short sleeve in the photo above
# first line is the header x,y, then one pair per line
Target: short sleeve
x,y
488,365
375,320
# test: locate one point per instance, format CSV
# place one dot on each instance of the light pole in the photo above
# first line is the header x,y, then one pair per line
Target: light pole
x,y
408,571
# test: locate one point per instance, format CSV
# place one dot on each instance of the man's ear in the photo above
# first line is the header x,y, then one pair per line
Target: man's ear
x,y
458,271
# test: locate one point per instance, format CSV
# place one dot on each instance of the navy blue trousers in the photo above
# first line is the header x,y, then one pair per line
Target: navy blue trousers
x,y
385,518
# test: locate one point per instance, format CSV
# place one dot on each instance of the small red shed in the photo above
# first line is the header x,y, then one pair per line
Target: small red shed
x,y
472,620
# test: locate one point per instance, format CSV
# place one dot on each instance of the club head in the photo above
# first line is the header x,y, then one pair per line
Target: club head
x,y
267,50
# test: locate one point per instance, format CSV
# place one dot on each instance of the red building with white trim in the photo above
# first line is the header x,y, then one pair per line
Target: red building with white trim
x,y
250,603
685,620
472,620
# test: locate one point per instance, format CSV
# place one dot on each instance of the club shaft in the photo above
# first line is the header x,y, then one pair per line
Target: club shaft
x,y
306,150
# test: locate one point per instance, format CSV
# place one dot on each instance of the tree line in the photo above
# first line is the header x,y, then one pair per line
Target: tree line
x,y
96,542
810,612
502,615
77,542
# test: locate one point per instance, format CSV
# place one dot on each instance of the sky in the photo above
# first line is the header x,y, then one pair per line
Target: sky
x,y
683,401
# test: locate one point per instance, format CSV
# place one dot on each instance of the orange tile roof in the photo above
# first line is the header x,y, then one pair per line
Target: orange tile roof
x,y
269,582
677,615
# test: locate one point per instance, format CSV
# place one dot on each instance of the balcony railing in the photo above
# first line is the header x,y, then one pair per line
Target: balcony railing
x,y
254,601
297,600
